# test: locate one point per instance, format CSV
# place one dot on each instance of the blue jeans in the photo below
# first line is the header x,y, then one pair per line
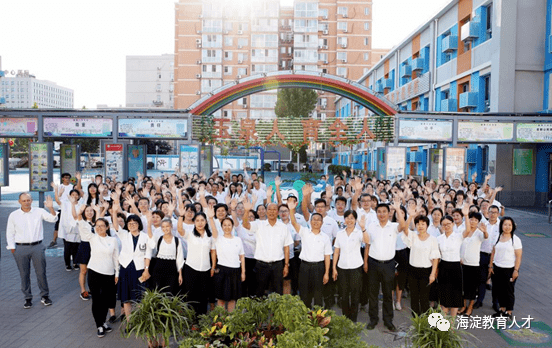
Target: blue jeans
x,y
23,255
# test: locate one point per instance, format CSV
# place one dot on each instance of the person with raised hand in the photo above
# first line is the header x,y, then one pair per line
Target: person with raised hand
x,y
88,214
348,263
228,270
272,248
103,269
424,258
314,271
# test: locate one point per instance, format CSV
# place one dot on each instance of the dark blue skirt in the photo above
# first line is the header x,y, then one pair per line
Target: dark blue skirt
x,y
129,287
83,254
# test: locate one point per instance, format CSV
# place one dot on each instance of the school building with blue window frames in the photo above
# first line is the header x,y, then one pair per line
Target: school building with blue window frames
x,y
480,57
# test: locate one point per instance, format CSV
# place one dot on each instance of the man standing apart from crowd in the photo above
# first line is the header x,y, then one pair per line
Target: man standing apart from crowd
x,y
24,235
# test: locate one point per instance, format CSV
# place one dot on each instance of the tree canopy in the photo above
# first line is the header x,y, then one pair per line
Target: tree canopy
x,y
295,102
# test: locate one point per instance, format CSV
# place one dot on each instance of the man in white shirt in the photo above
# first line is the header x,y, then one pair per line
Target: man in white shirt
x,y
24,235
259,193
67,187
272,248
219,195
485,255
338,213
381,266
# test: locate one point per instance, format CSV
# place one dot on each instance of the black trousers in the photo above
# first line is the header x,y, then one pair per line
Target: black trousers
x,y
381,273
311,276
503,288
418,278
70,250
198,287
349,282
269,273
249,287
470,281
104,289
484,259
364,284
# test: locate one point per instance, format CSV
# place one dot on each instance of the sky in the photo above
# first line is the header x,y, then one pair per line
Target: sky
x,y
83,45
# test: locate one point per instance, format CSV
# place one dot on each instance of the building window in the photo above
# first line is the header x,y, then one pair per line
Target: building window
x,y
489,33
445,94
487,92
228,41
227,55
366,25
366,56
367,11
366,41
341,72
343,11
323,12
342,26
342,56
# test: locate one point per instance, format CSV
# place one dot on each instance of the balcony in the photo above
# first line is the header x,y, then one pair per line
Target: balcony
x,y
388,83
418,64
2,100
406,71
157,102
379,88
469,31
468,100
450,44
448,105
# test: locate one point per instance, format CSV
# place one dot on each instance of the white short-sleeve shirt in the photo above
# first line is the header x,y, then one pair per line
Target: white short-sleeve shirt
x,y
471,248
271,240
505,256
383,240
229,251
349,245
422,252
450,246
199,251
315,246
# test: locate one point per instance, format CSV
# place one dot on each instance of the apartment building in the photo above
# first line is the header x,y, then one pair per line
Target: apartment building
x,y
219,42
150,81
21,90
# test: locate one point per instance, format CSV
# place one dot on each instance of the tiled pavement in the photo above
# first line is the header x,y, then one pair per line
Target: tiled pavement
x,y
68,322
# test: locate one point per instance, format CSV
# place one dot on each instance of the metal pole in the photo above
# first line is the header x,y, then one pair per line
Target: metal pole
x,y
40,139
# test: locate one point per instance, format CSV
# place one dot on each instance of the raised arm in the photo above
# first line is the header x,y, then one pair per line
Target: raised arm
x,y
210,212
357,185
56,192
247,206
292,206
277,183
307,192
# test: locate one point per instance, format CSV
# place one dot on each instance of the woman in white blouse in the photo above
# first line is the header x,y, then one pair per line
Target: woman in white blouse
x,y
434,230
474,235
103,269
197,275
166,271
424,258
504,266
348,262
450,268
131,258
228,267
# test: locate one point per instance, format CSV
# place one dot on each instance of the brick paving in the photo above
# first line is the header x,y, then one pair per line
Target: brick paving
x,y
68,322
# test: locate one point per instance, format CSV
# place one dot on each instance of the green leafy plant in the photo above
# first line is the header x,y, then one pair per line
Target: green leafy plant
x,y
159,316
309,177
422,335
335,169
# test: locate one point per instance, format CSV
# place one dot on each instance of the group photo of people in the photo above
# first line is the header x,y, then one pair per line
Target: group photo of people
x,y
350,242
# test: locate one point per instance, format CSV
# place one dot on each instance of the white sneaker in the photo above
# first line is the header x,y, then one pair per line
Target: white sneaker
x,y
393,305
398,306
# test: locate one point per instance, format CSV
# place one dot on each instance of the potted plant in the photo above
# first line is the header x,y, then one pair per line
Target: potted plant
x,y
159,316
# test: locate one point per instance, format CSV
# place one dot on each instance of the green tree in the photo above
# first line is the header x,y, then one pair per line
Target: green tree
x,y
295,102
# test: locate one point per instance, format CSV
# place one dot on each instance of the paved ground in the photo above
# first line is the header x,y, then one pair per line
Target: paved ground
x,y
69,323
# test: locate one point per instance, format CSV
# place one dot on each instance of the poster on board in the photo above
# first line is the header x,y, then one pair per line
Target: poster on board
x,y
425,130
136,160
114,161
534,132
485,131
175,128
77,127
4,164
18,127
395,157
523,162
69,156
435,163
380,163
455,162
40,170
189,159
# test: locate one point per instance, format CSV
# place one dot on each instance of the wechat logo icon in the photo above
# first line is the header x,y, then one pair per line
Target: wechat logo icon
x,y
437,320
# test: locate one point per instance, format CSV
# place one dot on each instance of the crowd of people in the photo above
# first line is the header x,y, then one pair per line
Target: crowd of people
x,y
219,238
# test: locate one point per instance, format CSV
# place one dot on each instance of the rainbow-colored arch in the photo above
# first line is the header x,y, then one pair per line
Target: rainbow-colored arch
x,y
289,79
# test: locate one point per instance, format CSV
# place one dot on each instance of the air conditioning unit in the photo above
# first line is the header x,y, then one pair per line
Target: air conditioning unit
x,y
245,106
344,45
198,62
240,32
198,76
198,92
325,47
226,32
198,45
345,15
323,107
239,76
199,31
201,16
325,32
198,41
289,53
240,46
320,47
324,17
344,60
345,30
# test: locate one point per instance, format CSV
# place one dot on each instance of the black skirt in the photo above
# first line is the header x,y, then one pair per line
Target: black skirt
x,y
228,283
129,287
83,254
471,281
164,275
450,284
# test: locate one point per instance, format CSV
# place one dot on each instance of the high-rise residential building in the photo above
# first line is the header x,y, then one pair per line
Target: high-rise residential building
x,y
150,81
220,42
23,90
